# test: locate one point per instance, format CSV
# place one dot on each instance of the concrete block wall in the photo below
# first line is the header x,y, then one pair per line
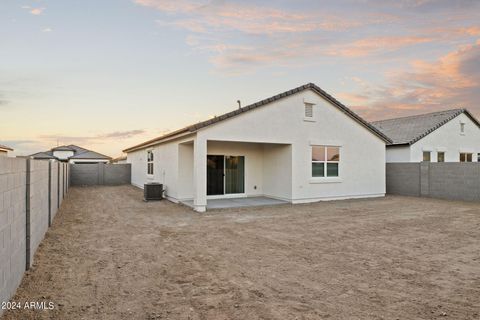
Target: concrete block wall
x,y
456,181
60,182
54,200
12,225
28,194
100,174
403,179
39,221
447,180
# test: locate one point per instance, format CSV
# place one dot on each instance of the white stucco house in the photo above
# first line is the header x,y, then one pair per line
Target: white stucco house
x,y
72,154
445,136
299,146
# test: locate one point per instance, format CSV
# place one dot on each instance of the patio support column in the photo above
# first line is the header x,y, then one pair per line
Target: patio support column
x,y
200,174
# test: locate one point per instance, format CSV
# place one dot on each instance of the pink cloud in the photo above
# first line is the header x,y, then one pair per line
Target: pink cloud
x,y
450,82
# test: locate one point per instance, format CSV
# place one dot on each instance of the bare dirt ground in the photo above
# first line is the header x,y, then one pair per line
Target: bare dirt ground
x,y
109,255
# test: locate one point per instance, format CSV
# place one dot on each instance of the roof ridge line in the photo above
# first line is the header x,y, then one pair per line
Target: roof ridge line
x,y
422,114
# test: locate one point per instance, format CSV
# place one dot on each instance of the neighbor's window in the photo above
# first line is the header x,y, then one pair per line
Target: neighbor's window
x,y
462,127
150,162
325,161
441,157
466,157
426,156
309,110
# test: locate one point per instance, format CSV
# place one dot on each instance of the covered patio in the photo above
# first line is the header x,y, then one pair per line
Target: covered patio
x,y
230,174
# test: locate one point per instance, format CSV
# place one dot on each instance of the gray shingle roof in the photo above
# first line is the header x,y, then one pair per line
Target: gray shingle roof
x,y
408,130
79,153
310,86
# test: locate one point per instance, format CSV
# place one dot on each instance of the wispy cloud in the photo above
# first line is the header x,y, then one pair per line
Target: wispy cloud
x,y
35,11
48,29
242,37
94,139
450,82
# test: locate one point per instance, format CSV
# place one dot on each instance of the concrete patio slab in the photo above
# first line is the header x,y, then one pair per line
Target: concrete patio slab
x,y
239,202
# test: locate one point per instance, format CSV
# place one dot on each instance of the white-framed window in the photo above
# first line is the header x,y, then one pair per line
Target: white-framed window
x,y
325,161
427,156
466,157
462,128
441,156
150,162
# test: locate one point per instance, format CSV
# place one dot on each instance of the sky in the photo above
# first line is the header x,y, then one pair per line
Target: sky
x,y
107,74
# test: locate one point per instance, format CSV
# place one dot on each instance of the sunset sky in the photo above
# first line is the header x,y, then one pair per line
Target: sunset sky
x,y
107,74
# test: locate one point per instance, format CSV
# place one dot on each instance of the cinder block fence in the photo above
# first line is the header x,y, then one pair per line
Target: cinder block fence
x,y
31,192
444,180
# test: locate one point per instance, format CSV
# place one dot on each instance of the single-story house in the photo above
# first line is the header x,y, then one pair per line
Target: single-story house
x,y
300,146
4,150
445,136
72,154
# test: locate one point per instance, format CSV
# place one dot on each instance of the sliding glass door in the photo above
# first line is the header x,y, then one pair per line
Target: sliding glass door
x,y
215,175
234,175
225,175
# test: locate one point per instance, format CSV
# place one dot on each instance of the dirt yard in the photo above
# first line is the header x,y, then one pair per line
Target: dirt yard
x,y
109,255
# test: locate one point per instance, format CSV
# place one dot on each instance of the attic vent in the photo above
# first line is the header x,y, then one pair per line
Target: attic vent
x,y
308,110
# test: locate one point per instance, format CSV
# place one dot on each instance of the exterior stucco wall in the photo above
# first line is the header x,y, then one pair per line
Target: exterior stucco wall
x,y
277,171
63,155
449,140
396,154
166,167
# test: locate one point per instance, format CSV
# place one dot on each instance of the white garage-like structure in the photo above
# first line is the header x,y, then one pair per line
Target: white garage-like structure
x,y
299,146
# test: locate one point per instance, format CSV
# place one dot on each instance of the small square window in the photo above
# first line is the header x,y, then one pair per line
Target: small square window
x,y
441,157
426,156
466,157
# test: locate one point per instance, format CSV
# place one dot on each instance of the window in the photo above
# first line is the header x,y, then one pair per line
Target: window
x,y
309,110
462,128
478,157
441,157
325,161
150,162
426,156
465,157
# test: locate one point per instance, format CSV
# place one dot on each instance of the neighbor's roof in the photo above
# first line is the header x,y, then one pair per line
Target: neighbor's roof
x,y
2,147
310,86
408,130
79,153
64,148
121,158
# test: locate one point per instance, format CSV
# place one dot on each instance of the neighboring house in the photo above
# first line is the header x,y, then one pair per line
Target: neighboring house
x,y
72,154
119,160
445,136
4,150
300,146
